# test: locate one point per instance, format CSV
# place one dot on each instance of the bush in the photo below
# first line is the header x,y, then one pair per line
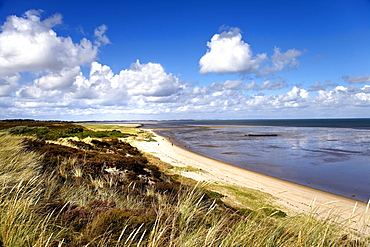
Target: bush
x,y
19,130
92,161
74,130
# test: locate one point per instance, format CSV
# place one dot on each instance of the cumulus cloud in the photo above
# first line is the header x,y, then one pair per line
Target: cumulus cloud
x,y
28,43
356,79
141,82
30,47
295,95
228,53
148,80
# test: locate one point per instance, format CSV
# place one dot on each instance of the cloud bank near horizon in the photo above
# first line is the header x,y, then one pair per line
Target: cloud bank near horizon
x,y
41,77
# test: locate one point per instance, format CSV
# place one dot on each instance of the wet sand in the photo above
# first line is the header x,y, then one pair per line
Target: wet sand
x,y
289,196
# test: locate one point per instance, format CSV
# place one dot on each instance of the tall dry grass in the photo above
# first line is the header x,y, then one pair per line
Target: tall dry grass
x,y
21,222
16,164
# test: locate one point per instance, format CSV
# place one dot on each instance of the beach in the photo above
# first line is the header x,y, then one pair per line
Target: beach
x,y
291,197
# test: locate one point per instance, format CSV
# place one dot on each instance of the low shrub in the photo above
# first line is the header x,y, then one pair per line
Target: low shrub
x,y
92,162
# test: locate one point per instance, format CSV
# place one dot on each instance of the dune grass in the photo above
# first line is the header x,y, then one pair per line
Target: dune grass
x,y
71,206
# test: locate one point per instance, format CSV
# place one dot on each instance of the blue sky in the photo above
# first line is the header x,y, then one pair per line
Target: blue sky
x,y
117,60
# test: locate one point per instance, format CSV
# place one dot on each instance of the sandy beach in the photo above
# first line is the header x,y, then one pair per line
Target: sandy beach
x,y
289,196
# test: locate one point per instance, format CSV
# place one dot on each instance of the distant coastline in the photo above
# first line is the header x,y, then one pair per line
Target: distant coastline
x,y
361,123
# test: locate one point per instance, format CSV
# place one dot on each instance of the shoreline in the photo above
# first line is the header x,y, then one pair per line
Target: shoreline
x,y
289,196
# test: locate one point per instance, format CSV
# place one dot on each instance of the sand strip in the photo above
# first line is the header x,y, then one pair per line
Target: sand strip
x,y
290,196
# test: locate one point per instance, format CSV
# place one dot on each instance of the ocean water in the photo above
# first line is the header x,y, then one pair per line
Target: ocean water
x,y
332,155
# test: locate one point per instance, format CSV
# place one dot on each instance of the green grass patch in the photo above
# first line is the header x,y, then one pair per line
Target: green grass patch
x,y
186,169
212,194
238,196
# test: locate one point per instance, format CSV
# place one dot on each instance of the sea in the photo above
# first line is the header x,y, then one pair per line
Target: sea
x,y
331,155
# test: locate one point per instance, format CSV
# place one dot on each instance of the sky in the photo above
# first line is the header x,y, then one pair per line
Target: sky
x,y
159,59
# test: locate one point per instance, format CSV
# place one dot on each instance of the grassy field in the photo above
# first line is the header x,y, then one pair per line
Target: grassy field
x,y
104,192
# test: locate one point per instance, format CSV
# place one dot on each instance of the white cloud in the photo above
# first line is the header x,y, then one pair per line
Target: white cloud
x,y
100,35
58,80
229,54
280,61
344,97
141,83
295,95
229,84
101,77
356,79
148,80
29,44
30,47
266,85
8,85
295,98
32,93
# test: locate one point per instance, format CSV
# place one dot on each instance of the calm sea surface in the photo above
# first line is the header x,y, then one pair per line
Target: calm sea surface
x,y
331,154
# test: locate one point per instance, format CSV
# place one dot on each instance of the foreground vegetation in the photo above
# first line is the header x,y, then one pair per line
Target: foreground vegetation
x,y
104,192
